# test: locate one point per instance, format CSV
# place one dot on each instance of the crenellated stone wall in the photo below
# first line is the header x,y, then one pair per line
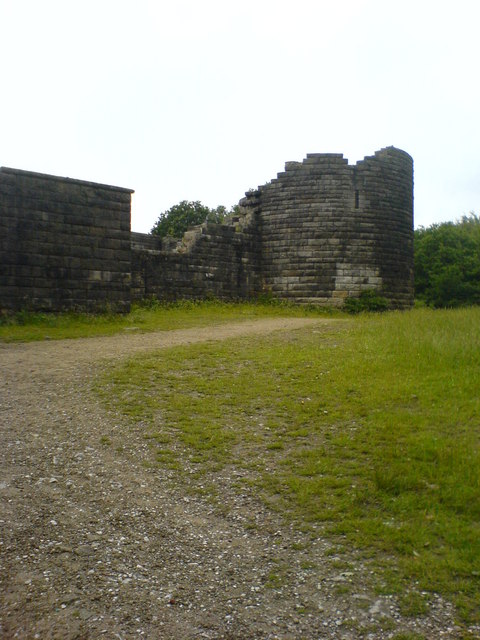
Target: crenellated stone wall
x,y
330,230
322,231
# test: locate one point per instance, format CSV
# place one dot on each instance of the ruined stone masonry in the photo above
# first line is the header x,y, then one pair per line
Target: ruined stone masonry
x,y
322,231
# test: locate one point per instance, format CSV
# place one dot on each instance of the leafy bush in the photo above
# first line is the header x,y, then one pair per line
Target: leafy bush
x,y
369,300
180,217
447,263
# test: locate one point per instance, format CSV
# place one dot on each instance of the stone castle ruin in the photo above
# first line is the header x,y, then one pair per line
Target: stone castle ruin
x,y
320,232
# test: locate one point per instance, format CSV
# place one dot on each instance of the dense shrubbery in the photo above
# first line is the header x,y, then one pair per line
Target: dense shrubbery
x,y
183,215
447,263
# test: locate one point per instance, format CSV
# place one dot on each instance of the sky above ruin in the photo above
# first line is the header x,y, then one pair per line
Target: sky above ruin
x,y
205,99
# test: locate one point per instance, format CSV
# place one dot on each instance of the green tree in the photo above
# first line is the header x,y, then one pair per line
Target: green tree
x,y
180,217
447,263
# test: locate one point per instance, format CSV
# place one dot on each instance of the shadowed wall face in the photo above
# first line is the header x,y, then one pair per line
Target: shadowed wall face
x,y
64,244
384,221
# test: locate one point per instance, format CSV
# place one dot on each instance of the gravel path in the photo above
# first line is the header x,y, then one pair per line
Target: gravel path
x,y
95,544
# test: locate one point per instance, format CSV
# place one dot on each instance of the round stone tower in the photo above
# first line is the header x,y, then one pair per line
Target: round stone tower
x,y
330,230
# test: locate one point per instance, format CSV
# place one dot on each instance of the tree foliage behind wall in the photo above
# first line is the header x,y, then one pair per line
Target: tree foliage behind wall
x,y
447,263
183,215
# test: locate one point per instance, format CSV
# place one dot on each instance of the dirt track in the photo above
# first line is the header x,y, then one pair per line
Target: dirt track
x,y
94,544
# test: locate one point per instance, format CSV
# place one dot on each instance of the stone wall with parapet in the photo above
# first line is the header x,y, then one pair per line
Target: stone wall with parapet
x,y
211,260
329,230
64,244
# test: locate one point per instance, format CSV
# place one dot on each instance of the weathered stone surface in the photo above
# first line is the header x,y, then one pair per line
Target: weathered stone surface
x,y
321,231
350,226
65,244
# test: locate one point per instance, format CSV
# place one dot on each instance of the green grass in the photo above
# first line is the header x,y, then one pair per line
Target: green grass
x,y
155,316
371,427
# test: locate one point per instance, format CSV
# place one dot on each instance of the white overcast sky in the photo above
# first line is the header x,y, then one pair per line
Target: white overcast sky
x,y
204,99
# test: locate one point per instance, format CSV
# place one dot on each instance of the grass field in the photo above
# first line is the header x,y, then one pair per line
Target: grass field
x,y
370,427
